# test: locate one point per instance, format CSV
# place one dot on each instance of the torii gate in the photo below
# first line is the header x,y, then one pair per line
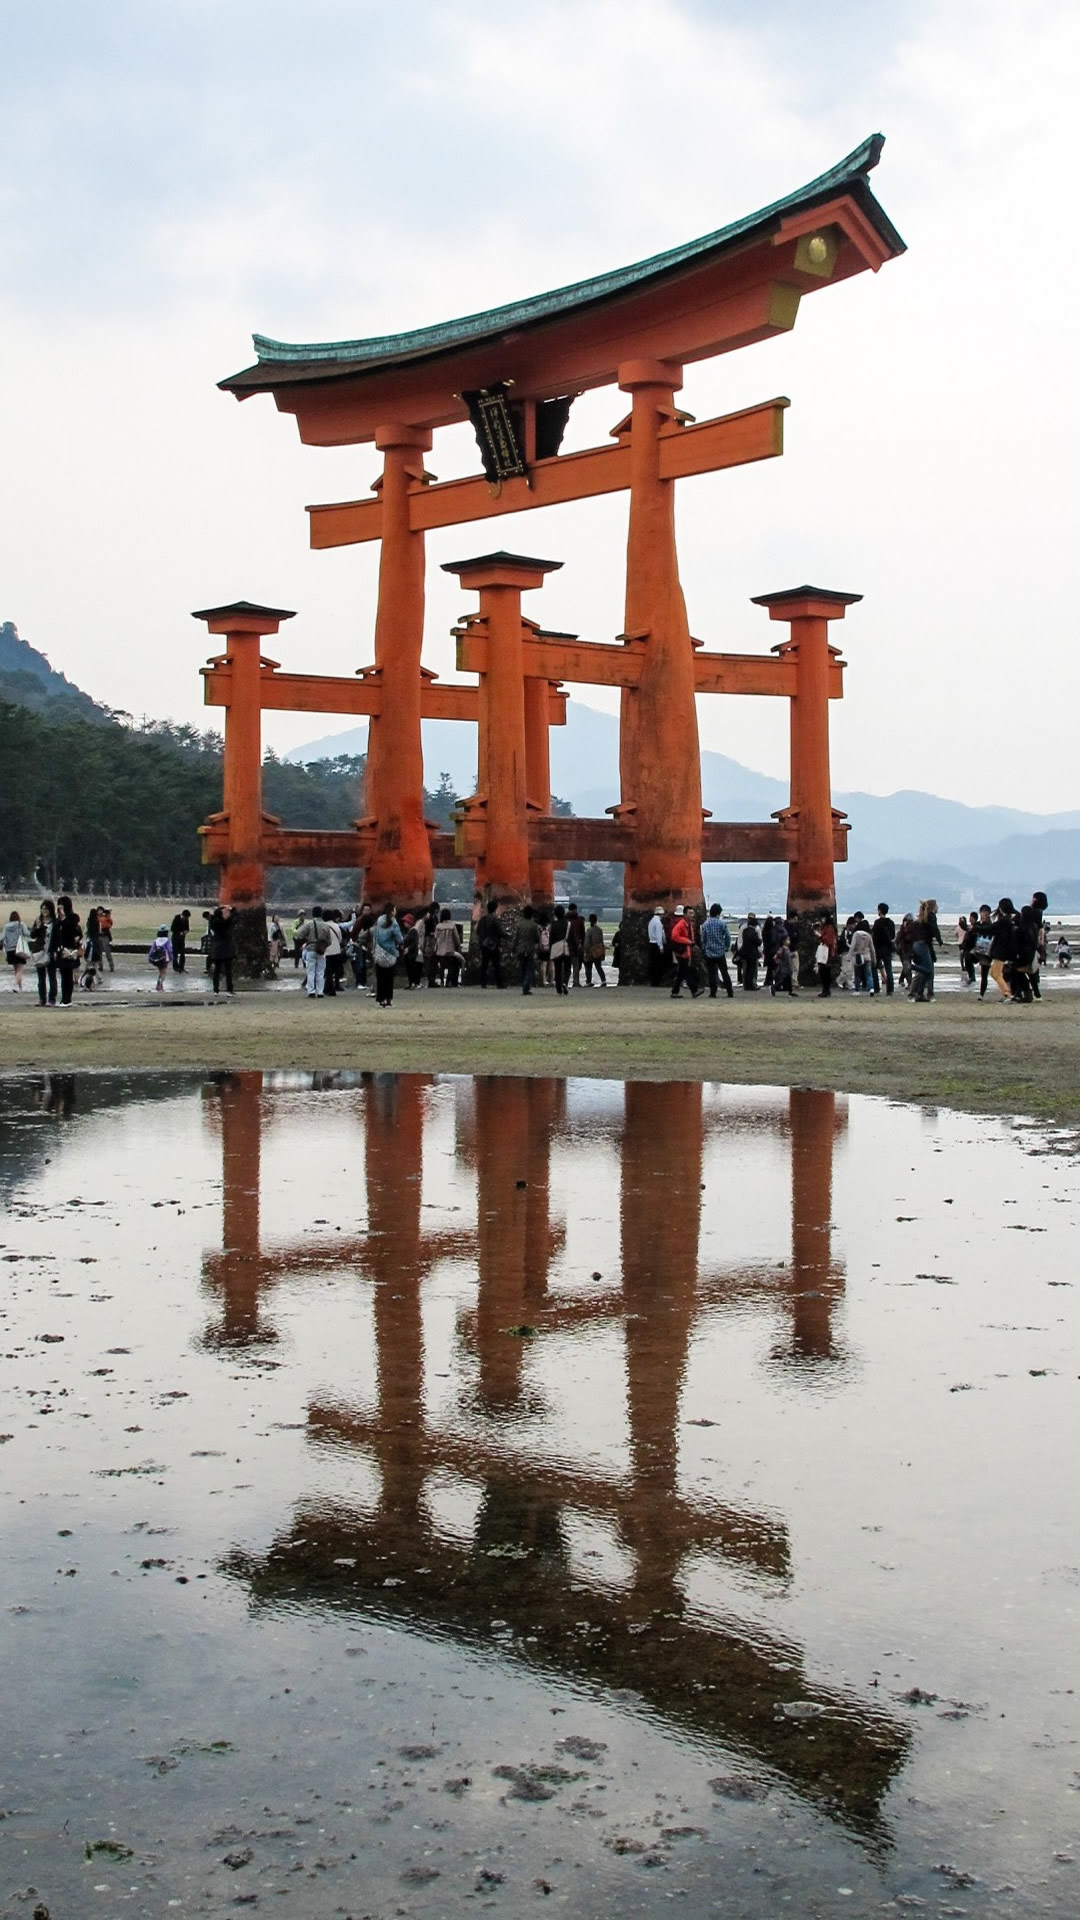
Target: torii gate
x,y
514,372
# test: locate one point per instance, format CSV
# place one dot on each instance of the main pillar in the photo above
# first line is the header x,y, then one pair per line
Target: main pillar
x,y
243,874
659,763
502,781
811,875
538,780
400,866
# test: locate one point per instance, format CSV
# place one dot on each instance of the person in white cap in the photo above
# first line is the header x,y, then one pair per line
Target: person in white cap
x,y
682,946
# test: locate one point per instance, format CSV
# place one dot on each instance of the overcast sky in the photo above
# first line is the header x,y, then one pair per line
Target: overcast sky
x,y
176,177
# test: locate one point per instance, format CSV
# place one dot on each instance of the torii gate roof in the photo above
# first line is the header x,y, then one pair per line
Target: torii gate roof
x,y
477,348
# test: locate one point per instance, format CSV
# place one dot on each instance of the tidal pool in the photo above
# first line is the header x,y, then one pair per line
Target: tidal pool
x,y
429,1494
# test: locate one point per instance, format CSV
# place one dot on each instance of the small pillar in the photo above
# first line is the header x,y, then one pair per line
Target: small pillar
x,y
811,875
660,765
400,865
502,793
243,874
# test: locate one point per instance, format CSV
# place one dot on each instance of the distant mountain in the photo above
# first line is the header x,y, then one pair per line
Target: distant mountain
x,y
903,845
27,680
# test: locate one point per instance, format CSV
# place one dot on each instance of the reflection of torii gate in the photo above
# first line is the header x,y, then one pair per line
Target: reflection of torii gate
x,y
706,1675
515,372
710,1676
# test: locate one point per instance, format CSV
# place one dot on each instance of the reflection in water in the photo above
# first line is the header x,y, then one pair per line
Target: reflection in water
x,y
511,1582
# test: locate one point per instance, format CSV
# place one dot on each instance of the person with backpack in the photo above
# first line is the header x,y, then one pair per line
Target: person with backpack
x,y
160,956
314,937
982,946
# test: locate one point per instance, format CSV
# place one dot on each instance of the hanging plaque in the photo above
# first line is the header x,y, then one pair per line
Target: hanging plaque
x,y
496,424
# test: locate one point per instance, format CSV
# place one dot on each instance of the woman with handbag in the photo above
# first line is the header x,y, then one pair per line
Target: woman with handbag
x,y
39,953
16,946
65,945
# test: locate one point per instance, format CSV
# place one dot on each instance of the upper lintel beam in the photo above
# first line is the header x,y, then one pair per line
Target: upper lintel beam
x,y
734,439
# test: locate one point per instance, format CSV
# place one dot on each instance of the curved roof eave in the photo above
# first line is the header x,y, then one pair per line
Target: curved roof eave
x,y
320,359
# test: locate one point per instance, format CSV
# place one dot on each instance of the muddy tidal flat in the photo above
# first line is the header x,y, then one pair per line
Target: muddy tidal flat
x,y
427,1495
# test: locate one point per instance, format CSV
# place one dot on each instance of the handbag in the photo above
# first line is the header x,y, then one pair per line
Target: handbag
x,y
69,953
22,946
821,954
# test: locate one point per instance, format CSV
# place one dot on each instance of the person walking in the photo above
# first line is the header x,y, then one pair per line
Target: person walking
x,y
682,946
388,942
65,946
92,942
545,972
178,934
334,974
716,945
278,940
560,951
160,955
105,934
429,952
883,934
657,948
1025,957
824,954
16,948
313,935
982,950
489,941
1003,947
595,951
926,935
575,937
448,950
862,948
526,948
750,953
905,940
44,964
220,945
967,948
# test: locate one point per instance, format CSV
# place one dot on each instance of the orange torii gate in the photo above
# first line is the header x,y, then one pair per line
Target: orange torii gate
x,y
514,372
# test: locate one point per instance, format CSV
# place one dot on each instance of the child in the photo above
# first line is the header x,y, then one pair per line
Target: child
x,y
160,955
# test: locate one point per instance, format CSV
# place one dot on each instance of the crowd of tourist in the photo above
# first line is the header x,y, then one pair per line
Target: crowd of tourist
x,y
693,951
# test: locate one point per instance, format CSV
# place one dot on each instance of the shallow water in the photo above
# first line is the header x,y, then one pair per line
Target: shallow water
x,y
429,1493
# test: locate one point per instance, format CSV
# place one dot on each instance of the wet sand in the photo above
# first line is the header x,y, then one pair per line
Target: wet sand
x,y
960,1053
420,1496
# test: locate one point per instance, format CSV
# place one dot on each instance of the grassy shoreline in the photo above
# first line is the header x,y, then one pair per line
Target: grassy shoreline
x,y
985,1058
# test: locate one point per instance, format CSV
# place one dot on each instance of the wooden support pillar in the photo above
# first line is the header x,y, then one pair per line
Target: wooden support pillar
x,y
538,780
811,875
243,875
400,867
501,797
660,771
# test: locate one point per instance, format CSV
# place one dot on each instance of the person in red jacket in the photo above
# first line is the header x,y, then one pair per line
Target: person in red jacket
x,y
682,947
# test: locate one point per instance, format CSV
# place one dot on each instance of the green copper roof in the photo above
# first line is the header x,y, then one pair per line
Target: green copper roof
x,y
314,359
